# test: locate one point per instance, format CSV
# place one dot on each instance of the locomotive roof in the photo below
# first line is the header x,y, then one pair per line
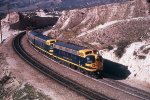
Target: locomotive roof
x,y
69,45
40,35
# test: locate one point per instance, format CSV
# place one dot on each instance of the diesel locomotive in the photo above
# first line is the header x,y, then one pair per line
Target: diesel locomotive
x,y
85,60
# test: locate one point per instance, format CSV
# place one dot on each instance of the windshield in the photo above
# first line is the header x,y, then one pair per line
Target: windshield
x,y
51,47
90,59
88,52
52,42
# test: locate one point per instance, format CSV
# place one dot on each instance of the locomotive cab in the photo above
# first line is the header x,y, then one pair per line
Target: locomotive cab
x,y
99,59
50,44
93,62
89,61
92,59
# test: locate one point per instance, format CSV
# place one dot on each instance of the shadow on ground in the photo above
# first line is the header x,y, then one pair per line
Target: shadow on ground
x,y
115,70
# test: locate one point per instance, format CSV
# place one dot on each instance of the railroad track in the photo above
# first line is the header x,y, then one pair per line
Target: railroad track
x,y
143,95
88,93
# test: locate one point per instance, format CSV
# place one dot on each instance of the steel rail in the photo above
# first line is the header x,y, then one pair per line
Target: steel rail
x,y
143,95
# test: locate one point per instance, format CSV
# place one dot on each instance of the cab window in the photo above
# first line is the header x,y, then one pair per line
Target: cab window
x,y
52,42
90,59
88,52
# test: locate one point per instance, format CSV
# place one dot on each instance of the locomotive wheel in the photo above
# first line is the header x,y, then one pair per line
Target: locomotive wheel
x,y
94,75
56,59
86,72
82,70
79,69
61,62
73,67
65,63
100,74
52,57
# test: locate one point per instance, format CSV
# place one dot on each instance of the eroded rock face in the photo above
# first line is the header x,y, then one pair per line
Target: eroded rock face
x,y
116,32
5,25
81,20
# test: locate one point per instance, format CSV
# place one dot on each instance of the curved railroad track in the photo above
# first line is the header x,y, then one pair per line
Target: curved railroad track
x,y
88,93
141,94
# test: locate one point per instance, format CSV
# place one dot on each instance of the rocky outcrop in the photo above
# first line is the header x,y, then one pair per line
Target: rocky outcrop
x,y
15,22
116,32
35,22
81,20
6,23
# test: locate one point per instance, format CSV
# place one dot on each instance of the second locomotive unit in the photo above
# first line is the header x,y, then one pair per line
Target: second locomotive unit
x,y
85,60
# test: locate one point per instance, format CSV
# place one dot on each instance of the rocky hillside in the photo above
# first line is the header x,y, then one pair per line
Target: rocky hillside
x,y
81,20
120,31
117,32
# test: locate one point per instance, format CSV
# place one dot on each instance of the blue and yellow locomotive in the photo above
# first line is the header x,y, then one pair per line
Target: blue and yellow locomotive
x,y
41,42
85,60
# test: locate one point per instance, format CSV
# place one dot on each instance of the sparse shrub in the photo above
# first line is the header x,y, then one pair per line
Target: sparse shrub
x,y
135,53
141,57
4,80
2,15
3,91
121,48
109,47
29,93
1,55
146,51
142,47
148,1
